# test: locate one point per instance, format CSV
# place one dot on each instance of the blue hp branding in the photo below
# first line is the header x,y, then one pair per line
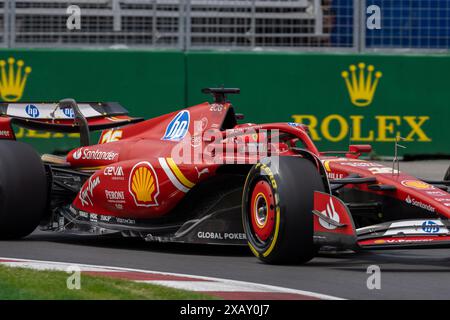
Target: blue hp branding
x,y
32,110
68,112
178,127
430,227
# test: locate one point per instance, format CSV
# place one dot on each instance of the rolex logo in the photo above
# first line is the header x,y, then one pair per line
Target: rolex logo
x,y
361,84
13,78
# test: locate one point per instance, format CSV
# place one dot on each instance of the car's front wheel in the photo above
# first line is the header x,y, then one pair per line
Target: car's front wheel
x,y
277,210
23,189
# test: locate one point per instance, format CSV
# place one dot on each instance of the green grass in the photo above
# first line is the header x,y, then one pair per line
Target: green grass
x,y
28,284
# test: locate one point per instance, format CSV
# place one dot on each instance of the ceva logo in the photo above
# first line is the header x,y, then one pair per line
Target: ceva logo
x,y
178,127
361,85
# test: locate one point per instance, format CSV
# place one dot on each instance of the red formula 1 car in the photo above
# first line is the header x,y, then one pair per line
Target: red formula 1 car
x,y
197,176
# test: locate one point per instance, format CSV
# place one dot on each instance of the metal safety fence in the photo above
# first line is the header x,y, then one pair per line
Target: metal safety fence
x,y
318,25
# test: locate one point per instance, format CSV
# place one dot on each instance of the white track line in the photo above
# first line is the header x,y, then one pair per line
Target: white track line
x,y
205,286
226,284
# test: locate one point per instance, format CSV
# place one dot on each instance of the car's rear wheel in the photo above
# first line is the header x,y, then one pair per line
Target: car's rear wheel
x,y
277,210
447,175
23,189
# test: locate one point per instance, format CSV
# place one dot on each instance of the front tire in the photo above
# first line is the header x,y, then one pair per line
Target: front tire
x,y
23,190
277,210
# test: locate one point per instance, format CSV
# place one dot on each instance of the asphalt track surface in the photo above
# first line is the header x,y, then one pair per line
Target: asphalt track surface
x,y
405,274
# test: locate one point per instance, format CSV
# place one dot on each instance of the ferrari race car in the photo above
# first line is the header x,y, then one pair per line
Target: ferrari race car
x,y
198,176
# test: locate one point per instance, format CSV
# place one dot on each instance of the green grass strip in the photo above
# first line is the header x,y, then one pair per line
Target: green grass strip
x,y
28,284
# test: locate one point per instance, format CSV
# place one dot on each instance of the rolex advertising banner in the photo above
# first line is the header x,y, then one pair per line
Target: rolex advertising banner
x,y
146,83
345,99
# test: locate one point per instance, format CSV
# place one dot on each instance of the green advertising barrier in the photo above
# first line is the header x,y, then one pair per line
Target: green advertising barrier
x,y
143,82
345,99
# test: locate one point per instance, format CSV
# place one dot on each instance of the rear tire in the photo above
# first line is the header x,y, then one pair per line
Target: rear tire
x,y
23,190
447,175
277,210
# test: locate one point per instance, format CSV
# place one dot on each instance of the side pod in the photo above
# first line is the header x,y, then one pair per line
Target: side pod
x,y
333,223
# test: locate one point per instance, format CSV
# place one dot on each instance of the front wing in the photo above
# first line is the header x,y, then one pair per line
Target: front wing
x,y
334,226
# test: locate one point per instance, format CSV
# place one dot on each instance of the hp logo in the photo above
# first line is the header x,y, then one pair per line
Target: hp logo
x,y
430,227
178,127
68,112
32,111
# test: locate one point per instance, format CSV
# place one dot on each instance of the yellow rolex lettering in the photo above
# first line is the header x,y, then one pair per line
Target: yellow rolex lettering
x,y
38,135
26,133
416,128
357,128
386,126
74,135
311,122
58,135
20,133
325,128
386,129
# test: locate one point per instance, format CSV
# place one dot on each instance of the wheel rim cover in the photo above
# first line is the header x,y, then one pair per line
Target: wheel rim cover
x,y
262,210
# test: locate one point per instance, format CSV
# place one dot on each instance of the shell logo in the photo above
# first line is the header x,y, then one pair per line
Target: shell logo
x,y
143,185
416,184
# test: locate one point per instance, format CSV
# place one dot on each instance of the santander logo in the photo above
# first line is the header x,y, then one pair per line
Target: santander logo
x,y
88,154
419,204
77,154
331,213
